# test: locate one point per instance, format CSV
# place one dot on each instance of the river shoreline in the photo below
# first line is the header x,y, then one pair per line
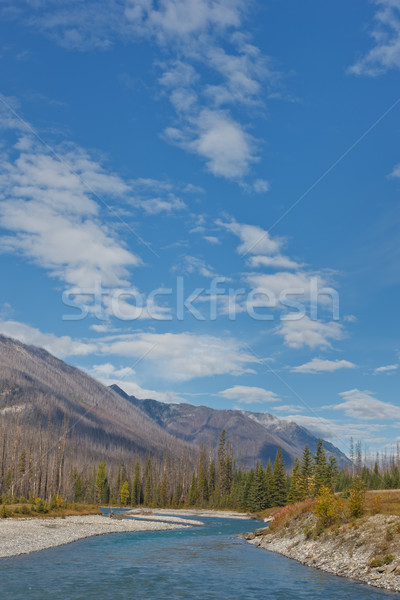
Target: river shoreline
x,y
367,553
25,535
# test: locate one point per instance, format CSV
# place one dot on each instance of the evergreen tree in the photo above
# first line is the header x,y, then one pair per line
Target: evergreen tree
x,y
147,486
136,487
331,473
193,491
306,479
295,482
279,489
257,494
245,493
102,487
211,480
163,494
124,493
203,483
319,478
268,484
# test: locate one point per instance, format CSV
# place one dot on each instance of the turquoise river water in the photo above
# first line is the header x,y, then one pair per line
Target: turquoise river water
x,y
198,563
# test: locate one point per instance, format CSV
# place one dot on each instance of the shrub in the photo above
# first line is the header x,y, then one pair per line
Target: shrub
x,y
389,558
289,512
376,562
4,512
357,499
327,507
40,506
25,510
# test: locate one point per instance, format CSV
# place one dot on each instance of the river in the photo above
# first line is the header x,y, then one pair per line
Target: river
x,y
198,563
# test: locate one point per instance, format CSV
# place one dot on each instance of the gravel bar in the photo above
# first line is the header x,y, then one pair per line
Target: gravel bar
x,y
22,536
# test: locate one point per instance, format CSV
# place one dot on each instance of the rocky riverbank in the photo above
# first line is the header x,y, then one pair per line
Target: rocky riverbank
x,y
22,536
366,550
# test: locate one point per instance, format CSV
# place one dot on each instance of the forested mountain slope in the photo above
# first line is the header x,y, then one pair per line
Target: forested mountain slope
x,y
43,399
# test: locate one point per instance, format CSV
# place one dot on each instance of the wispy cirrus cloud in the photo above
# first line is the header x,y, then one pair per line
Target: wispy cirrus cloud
x,y
168,356
318,365
210,65
385,33
249,395
50,206
386,369
363,405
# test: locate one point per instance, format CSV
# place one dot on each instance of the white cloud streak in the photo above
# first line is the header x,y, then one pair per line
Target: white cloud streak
x,y
249,395
387,369
385,32
318,365
49,205
190,34
363,405
168,356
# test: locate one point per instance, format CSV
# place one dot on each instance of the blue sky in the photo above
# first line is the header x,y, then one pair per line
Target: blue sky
x,y
199,200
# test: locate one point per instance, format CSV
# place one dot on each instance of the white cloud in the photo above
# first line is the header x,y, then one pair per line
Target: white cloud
x,y
307,332
155,206
254,239
249,395
276,262
385,54
317,365
212,239
182,20
108,370
363,405
182,356
189,33
215,136
49,204
176,357
61,347
333,431
395,172
108,374
386,369
290,408
261,186
193,264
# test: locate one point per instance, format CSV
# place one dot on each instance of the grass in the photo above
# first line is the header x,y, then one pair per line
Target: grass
x,y
385,502
16,511
286,514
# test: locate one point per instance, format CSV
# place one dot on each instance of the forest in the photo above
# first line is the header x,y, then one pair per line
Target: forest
x,y
209,478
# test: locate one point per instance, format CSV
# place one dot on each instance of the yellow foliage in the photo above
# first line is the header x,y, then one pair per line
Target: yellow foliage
x,y
327,506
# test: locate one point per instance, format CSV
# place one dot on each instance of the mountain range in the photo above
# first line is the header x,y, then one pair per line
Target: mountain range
x,y
38,391
255,436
